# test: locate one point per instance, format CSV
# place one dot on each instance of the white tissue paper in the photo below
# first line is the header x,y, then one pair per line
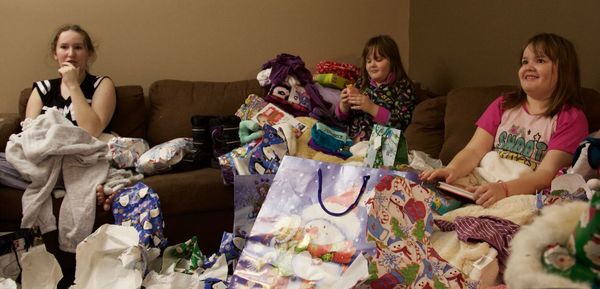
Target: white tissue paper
x,y
110,258
7,283
40,269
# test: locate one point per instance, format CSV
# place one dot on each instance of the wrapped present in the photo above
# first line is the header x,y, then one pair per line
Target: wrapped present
x,y
138,206
251,106
162,157
331,80
345,70
227,161
125,151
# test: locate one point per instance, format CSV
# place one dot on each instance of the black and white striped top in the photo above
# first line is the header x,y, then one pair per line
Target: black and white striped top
x,y
49,91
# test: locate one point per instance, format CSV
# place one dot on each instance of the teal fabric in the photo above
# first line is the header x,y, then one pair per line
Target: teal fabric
x,y
334,141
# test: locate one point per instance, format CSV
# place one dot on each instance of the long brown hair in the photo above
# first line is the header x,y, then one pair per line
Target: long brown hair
x,y
386,47
568,86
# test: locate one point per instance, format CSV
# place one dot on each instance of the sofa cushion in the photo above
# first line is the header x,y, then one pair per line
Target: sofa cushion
x,y
591,103
191,191
9,124
426,130
130,115
129,118
463,107
173,102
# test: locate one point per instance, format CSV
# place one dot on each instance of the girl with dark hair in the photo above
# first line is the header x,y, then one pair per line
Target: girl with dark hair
x,y
383,93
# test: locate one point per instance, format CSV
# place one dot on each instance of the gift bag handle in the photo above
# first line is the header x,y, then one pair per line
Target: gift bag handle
x,y
354,204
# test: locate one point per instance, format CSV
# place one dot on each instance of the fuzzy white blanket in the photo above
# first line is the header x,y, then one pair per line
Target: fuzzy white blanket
x,y
48,146
524,268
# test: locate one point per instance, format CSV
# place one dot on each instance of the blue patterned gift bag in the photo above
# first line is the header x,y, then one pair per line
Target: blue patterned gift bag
x,y
249,193
138,206
310,231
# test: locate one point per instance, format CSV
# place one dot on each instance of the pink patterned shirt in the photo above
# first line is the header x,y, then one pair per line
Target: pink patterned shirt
x,y
524,137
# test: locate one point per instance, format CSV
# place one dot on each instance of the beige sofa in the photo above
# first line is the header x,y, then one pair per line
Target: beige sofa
x,y
193,202
196,202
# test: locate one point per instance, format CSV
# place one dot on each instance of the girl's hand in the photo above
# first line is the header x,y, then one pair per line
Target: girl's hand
x,y
344,104
362,102
69,74
488,194
446,173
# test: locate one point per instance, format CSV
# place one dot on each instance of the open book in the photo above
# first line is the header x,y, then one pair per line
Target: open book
x,y
457,190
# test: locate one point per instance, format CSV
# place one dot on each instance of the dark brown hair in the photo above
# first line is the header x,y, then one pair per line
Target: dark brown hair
x,y
386,47
87,40
568,85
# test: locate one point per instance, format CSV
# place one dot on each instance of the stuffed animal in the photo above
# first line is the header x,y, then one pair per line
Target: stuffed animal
x,y
586,161
249,131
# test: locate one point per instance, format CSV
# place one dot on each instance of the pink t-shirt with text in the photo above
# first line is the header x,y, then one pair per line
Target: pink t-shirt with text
x,y
526,138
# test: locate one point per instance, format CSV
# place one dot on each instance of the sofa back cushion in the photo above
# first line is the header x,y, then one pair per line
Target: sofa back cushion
x,y
173,102
129,118
591,105
465,105
426,130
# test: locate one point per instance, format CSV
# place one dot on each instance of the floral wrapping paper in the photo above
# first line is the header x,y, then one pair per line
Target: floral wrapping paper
x,y
400,223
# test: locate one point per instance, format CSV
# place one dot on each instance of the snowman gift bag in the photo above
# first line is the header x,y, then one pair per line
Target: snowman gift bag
x,y
310,231
400,223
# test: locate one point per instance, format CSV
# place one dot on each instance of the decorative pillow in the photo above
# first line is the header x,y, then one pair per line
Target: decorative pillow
x,y
162,157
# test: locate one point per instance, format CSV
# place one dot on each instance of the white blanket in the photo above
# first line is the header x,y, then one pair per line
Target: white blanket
x,y
51,145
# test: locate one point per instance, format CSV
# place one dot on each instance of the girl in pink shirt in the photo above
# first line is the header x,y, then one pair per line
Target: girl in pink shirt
x,y
540,126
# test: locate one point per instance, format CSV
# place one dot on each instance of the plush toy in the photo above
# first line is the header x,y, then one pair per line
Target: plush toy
x,y
586,161
249,131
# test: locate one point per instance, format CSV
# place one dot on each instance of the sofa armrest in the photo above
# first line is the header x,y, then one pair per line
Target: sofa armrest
x,y
9,124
